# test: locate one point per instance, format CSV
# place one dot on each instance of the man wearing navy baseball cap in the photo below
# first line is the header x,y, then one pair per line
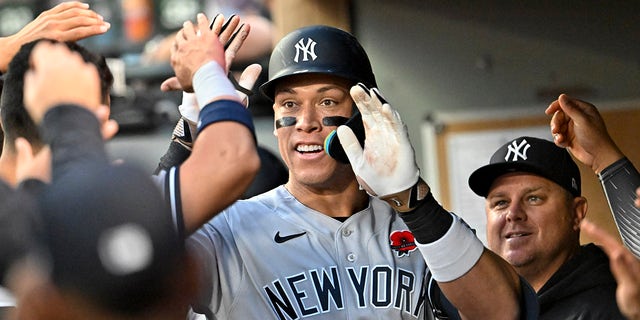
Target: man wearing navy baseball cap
x,y
534,208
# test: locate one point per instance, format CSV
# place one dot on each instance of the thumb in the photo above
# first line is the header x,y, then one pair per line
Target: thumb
x,y
171,84
247,79
250,75
350,144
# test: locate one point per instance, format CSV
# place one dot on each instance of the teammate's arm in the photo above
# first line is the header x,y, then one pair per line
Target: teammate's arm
x,y
578,126
470,276
224,159
68,21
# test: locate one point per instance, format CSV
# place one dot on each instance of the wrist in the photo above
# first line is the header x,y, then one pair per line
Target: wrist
x,y
606,159
409,199
210,83
9,49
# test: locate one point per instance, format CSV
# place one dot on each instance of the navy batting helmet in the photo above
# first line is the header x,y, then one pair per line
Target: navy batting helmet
x,y
319,50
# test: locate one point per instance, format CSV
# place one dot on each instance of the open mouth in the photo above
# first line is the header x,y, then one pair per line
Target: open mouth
x,y
309,148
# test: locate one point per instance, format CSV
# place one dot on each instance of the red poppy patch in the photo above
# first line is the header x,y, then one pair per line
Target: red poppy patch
x,y
402,242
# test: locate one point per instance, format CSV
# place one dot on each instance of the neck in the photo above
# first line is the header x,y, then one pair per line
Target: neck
x,y
333,202
537,274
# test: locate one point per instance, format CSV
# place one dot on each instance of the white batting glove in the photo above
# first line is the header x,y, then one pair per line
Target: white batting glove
x,y
189,111
386,166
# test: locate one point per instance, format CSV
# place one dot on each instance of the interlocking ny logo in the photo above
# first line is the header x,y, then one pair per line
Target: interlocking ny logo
x,y
516,149
307,50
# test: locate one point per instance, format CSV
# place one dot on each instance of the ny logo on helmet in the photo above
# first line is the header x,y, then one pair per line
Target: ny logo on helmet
x,y
518,150
307,50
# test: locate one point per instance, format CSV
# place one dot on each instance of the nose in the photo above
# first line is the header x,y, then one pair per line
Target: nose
x,y
308,120
515,212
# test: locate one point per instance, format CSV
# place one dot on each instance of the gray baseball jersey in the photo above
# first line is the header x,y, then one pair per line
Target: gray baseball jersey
x,y
272,257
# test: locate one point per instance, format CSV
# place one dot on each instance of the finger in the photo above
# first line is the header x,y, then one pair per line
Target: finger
x,y
188,30
71,13
242,29
247,80
228,28
78,33
573,108
624,267
350,144
558,126
64,6
24,152
216,23
609,243
171,84
29,91
36,57
203,23
250,75
233,45
552,108
360,95
109,129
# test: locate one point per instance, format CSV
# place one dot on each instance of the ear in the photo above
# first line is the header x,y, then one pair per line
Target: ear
x,y
580,207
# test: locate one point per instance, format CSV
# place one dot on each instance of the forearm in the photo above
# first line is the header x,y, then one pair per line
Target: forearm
x,y
620,181
222,165
9,49
470,276
73,133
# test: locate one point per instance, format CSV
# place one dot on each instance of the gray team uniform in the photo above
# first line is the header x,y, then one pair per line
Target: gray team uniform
x,y
272,257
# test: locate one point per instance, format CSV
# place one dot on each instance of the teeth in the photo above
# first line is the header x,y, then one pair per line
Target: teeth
x,y
515,235
309,148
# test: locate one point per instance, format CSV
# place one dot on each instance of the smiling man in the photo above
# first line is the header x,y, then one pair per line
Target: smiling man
x,y
356,238
534,208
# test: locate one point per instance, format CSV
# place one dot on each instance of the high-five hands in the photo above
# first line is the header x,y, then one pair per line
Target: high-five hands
x,y
386,166
233,37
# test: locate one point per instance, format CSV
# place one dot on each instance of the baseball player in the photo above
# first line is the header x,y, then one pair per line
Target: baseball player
x,y
355,240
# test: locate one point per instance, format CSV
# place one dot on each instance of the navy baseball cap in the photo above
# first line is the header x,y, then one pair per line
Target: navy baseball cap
x,y
528,154
108,235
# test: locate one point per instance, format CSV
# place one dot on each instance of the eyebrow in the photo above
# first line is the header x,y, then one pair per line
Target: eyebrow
x,y
526,191
326,88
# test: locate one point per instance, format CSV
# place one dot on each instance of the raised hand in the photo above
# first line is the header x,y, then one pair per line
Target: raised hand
x,y
386,165
624,266
579,127
194,46
68,21
69,80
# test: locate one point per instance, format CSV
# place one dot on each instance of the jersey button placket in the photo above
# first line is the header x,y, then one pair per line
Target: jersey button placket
x,y
351,257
